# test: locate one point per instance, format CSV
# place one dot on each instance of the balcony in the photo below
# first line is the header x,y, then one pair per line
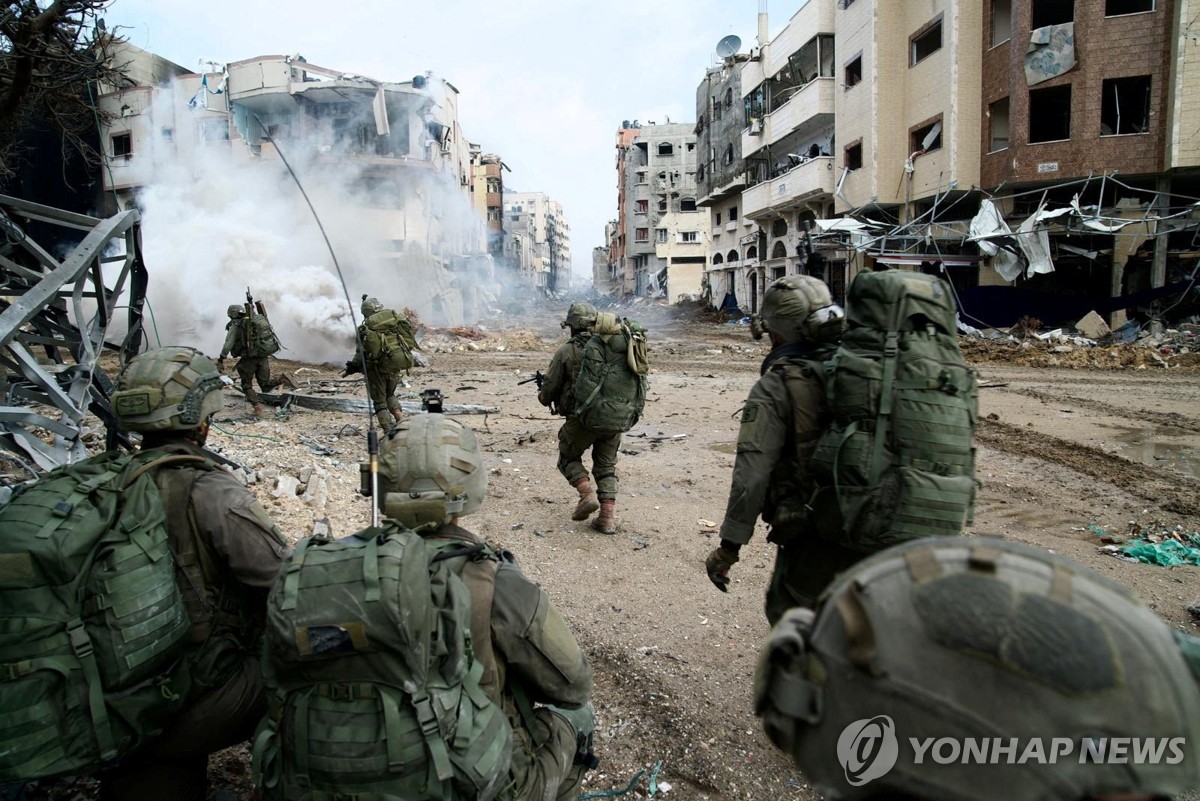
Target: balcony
x,y
799,185
810,108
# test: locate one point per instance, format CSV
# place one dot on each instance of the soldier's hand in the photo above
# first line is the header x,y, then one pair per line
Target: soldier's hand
x,y
717,564
221,364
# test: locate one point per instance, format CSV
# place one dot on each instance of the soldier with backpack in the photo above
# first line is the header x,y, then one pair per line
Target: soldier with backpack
x,y
597,380
387,344
416,661
142,582
250,338
850,443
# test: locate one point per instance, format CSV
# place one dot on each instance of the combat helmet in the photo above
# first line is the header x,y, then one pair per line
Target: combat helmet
x,y
799,308
370,306
430,470
172,388
986,653
580,316
235,311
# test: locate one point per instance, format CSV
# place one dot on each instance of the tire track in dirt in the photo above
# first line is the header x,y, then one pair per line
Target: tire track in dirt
x,y
1178,495
1163,419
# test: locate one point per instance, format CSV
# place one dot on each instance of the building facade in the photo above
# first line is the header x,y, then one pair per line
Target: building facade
x,y
539,241
487,196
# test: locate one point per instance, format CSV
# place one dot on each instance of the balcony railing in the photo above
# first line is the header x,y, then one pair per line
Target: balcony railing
x,y
802,183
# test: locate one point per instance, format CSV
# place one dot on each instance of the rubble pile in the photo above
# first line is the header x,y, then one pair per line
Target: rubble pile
x,y
459,340
1154,543
1129,346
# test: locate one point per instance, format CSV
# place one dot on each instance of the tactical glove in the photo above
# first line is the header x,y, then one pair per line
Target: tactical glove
x,y
718,564
220,364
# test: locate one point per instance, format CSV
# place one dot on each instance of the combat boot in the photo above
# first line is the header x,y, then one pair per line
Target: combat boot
x,y
398,414
587,499
606,521
256,409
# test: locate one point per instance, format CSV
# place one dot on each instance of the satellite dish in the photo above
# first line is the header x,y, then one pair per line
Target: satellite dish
x,y
729,46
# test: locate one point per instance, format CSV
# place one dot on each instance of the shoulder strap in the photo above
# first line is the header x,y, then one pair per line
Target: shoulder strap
x,y
479,575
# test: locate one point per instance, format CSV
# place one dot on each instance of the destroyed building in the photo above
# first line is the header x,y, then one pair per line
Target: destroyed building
x,y
538,241
1038,153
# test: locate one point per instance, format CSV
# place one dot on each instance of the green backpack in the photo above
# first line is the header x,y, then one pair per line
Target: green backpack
x,y
93,627
388,341
898,461
260,336
610,391
376,689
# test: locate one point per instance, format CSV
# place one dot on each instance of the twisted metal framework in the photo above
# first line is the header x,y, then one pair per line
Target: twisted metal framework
x,y
55,314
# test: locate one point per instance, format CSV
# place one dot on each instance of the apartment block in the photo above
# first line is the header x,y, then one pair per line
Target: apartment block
x,y
487,197
538,245
663,247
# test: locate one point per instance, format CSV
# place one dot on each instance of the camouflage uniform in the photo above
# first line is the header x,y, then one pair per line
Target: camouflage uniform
x,y
381,385
249,368
226,564
784,416
558,393
535,658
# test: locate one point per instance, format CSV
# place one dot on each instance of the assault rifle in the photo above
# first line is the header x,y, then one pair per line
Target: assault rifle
x,y
537,376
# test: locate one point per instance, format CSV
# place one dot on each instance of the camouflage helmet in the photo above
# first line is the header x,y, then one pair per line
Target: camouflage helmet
x,y
430,471
799,308
371,306
580,315
173,388
235,311
964,647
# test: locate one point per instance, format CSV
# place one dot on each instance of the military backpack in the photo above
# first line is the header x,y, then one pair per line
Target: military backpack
x,y
93,627
610,391
388,341
260,336
898,460
375,688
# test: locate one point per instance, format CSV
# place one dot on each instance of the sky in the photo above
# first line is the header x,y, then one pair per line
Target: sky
x,y
543,83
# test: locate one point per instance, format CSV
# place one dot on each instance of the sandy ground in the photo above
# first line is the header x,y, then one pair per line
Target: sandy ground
x,y
1059,450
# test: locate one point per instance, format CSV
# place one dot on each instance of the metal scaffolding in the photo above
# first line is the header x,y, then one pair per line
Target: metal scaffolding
x,y
55,319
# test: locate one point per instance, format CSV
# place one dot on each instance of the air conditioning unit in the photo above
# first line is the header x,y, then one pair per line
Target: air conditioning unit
x,y
755,126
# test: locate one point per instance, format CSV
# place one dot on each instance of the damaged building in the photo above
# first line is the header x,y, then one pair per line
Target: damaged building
x,y
402,142
537,241
1038,153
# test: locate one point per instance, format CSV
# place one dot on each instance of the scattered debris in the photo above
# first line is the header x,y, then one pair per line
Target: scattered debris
x,y
1153,544
1093,326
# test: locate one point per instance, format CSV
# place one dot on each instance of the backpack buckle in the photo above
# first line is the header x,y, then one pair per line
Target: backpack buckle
x,y
14,670
81,643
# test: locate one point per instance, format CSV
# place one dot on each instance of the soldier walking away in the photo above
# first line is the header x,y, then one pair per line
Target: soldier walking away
x,y
784,416
388,341
227,552
369,689
557,392
1045,680
251,339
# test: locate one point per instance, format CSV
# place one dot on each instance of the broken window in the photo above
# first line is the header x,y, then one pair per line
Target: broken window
x,y
727,159
214,130
1050,114
642,206
732,213
1115,8
718,259
660,235
689,237
666,149
779,228
122,145
853,72
755,104
729,98
687,204
998,125
854,156
1052,12
641,176
752,252
777,273
718,219
662,206
779,251
925,42
1125,106
731,256
927,137
691,146
813,60
641,235
1001,21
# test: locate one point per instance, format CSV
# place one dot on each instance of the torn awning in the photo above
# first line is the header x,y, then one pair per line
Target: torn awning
x,y
915,259
846,224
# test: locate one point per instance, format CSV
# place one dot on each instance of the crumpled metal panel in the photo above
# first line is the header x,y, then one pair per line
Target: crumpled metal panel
x,y
57,314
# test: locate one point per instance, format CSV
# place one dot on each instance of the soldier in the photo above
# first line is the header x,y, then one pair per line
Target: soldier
x,y
383,369
431,473
974,669
253,351
227,551
781,421
557,392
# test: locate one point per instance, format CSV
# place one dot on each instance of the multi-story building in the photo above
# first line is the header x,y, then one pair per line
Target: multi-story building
x,y
487,195
732,277
605,278
656,167
539,240
401,142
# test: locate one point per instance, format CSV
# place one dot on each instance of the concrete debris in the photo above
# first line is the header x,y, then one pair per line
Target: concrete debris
x,y
316,491
285,487
1093,326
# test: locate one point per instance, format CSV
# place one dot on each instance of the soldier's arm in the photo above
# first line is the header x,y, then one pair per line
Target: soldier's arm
x,y
761,439
536,644
241,531
555,378
230,339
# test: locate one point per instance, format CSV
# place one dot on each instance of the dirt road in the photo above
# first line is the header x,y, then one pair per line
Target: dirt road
x,y
1060,450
